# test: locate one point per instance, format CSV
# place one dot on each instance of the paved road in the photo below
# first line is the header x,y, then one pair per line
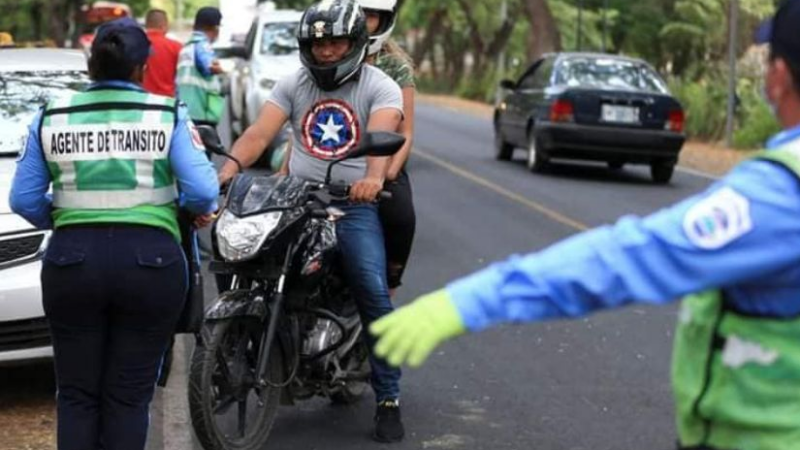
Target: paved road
x,y
600,383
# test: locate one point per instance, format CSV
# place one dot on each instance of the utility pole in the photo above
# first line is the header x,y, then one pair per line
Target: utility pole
x,y
580,25
733,27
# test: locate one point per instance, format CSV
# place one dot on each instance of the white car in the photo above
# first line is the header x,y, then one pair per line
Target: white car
x,y
28,79
271,53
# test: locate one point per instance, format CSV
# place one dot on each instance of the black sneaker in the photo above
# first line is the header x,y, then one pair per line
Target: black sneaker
x,y
388,425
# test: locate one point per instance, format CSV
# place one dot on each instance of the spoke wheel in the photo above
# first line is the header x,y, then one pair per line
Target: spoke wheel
x,y
229,409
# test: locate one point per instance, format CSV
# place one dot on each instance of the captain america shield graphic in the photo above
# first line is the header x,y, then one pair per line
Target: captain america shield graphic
x,y
330,129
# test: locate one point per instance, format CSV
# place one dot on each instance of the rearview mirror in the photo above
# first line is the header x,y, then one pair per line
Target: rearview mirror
x,y
373,143
378,143
211,139
508,84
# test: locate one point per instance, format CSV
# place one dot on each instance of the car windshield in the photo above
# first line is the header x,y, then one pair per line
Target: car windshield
x,y
609,73
279,39
21,96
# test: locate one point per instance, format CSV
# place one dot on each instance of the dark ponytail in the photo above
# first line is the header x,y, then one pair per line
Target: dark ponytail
x,y
108,61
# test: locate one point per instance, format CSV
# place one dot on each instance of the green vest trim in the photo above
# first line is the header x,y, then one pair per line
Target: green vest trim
x,y
108,156
736,377
202,95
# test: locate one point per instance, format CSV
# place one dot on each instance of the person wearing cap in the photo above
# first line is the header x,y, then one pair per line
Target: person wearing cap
x,y
114,275
162,65
732,253
198,79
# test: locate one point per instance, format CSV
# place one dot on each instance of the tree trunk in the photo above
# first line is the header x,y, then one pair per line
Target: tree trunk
x,y
544,36
56,12
428,42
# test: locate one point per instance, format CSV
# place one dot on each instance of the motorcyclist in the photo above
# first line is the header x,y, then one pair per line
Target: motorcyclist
x,y
331,102
732,250
397,213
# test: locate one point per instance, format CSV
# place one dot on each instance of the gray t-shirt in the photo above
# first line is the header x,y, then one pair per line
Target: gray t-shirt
x,y
327,125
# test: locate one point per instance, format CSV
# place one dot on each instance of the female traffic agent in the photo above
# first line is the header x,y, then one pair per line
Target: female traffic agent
x,y
114,275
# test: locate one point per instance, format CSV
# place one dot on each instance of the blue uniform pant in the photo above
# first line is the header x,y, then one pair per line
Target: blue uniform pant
x,y
112,295
360,236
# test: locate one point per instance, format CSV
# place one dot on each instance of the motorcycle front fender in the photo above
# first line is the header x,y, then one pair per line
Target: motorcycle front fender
x,y
238,303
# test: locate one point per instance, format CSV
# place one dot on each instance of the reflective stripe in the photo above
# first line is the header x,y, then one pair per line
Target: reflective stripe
x,y
68,175
188,79
113,199
145,174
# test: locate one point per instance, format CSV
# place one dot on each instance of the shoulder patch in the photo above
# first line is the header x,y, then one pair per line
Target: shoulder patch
x,y
718,220
197,141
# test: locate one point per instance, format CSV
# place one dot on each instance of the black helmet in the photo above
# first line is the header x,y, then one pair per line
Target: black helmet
x,y
331,19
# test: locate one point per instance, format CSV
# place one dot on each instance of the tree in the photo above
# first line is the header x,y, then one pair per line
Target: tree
x,y
544,35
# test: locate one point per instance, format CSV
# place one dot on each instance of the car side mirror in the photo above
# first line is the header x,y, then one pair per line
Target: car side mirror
x,y
508,84
236,51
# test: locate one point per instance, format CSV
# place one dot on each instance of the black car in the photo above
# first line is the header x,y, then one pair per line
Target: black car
x,y
592,107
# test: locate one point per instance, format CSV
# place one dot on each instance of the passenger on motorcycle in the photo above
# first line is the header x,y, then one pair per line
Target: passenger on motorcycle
x,y
331,102
397,214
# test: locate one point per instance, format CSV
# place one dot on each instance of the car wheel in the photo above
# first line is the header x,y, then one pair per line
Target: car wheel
x,y
662,171
232,122
538,160
616,165
503,150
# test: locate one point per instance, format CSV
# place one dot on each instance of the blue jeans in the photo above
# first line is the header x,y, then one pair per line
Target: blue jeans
x,y
364,256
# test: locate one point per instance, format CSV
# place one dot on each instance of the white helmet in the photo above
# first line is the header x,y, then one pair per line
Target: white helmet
x,y
388,12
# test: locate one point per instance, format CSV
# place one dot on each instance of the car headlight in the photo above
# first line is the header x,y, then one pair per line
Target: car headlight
x,y
267,83
239,238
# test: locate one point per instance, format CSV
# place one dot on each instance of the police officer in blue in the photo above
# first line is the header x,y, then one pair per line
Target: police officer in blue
x,y
733,254
114,275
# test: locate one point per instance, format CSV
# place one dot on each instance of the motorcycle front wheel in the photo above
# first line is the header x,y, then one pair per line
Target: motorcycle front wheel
x,y
229,409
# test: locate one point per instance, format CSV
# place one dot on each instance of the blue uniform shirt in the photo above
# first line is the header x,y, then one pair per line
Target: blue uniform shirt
x,y
203,53
197,180
742,234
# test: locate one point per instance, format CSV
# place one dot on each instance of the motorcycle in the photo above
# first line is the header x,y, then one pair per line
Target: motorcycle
x,y
288,330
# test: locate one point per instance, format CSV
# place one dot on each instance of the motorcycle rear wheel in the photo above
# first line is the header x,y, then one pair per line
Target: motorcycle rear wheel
x,y
222,380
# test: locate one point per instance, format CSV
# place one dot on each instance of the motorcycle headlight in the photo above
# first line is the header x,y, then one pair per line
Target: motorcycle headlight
x,y
239,238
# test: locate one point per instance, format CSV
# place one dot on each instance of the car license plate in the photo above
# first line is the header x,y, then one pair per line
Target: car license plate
x,y
620,114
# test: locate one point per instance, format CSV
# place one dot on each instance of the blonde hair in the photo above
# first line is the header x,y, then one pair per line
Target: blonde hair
x,y
391,47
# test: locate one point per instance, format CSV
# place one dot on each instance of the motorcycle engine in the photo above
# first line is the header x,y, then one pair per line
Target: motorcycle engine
x,y
324,334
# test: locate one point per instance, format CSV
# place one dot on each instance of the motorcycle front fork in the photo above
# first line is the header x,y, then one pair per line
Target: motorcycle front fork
x,y
268,338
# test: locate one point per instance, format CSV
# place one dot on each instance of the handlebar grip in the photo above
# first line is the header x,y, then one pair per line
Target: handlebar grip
x,y
385,195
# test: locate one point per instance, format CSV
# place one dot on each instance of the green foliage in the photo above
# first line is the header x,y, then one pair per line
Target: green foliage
x,y
705,104
757,122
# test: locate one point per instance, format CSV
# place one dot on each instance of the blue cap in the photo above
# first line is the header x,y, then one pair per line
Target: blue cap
x,y
780,32
134,40
207,16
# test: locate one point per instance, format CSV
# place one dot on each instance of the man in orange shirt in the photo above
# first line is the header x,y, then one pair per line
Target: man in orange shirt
x,y
159,75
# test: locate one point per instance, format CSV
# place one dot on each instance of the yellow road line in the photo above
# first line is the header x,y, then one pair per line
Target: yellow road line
x,y
538,207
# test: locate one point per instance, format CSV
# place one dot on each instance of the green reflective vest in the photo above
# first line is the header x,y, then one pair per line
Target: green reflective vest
x,y
202,95
108,156
736,378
